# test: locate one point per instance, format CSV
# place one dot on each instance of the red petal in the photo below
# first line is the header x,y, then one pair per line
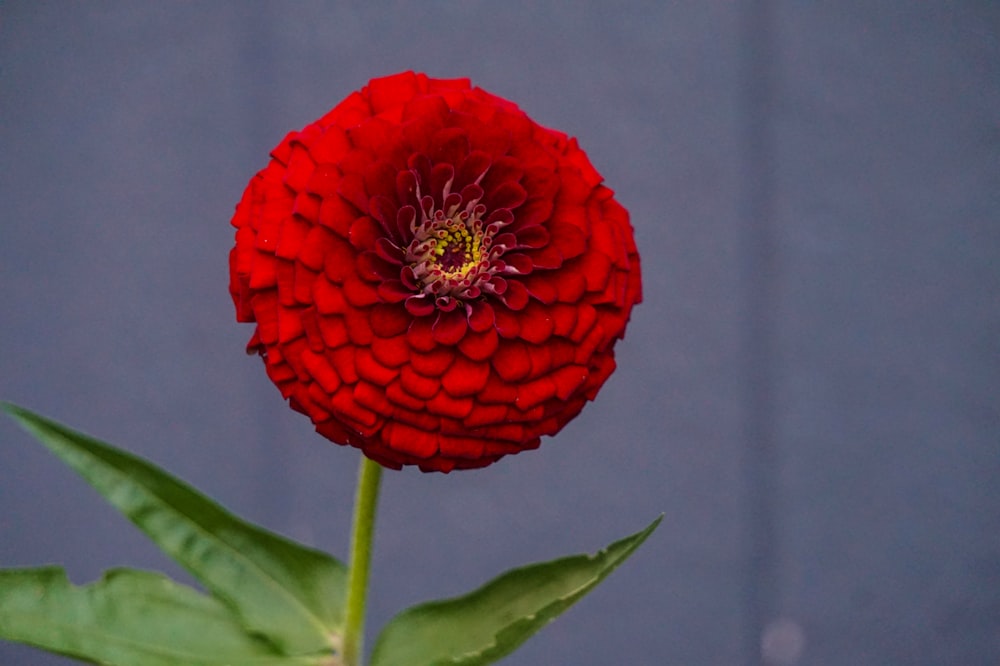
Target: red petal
x,y
570,284
303,289
338,260
321,371
472,168
283,151
395,392
325,181
358,292
358,327
535,393
300,169
290,237
306,208
392,352
481,316
507,323
384,211
349,409
351,111
541,359
596,269
333,431
343,361
433,363
541,287
328,148
441,175
265,310
411,441
329,298
312,401
389,320
462,447
364,232
564,317
373,136
572,188
520,262
264,271
479,346
491,140
504,169
511,361
286,282
391,91
569,238
586,317
600,371
443,404
394,291
425,106
380,178
484,415
532,237
450,327
418,417
420,334
371,370
417,385
506,195
352,190
289,325
516,296
568,380
465,378
562,352
590,344
310,322
536,323
419,305
497,391
513,432
337,215
374,268
534,212
333,331
546,257
370,396
450,145
405,218
389,251
530,416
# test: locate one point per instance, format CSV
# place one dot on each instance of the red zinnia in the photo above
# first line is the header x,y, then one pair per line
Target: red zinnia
x,y
436,279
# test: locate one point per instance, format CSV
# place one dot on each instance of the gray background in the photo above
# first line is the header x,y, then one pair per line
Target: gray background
x,y
809,392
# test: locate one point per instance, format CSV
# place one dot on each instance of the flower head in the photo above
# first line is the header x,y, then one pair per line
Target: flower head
x,y
435,278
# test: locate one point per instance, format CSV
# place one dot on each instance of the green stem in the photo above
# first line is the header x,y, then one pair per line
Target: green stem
x,y
362,533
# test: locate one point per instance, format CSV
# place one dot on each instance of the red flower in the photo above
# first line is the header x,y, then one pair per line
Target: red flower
x,y
436,279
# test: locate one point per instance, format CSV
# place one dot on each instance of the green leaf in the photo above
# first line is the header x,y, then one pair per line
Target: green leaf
x,y
491,622
288,593
128,618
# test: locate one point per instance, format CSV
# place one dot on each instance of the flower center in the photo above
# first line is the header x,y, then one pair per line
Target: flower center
x,y
453,255
449,252
456,249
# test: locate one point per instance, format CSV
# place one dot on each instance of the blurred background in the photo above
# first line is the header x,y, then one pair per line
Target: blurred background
x,y
809,392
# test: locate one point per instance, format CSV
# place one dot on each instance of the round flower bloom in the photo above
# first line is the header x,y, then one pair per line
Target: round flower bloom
x,y
435,278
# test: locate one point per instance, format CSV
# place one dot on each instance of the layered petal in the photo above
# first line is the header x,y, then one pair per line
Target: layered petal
x,y
433,277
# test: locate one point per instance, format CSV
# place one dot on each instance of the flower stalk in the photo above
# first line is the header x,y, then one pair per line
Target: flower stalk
x,y
362,535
